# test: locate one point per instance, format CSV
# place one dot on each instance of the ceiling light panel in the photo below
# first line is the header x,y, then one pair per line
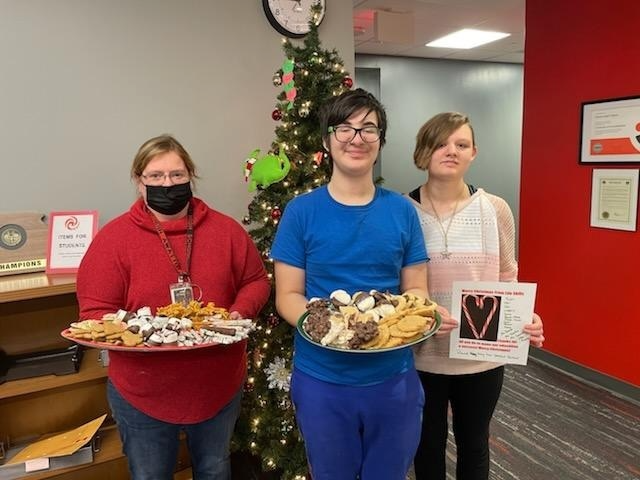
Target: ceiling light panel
x,y
467,38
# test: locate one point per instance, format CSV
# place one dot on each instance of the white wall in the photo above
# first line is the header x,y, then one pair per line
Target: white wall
x,y
85,82
415,89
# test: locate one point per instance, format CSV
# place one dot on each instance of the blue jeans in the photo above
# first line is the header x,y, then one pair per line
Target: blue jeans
x,y
366,433
151,445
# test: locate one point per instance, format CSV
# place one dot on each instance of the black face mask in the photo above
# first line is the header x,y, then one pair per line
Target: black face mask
x,y
169,200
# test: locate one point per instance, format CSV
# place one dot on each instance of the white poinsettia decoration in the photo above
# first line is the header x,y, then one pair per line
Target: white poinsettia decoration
x,y
278,375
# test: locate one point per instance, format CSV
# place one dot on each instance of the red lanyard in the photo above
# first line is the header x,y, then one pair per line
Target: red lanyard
x,y
183,274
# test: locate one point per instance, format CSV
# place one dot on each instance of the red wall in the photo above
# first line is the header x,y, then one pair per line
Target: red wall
x,y
588,278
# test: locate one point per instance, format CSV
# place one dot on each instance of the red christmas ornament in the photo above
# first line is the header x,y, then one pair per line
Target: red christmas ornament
x,y
276,213
347,82
276,115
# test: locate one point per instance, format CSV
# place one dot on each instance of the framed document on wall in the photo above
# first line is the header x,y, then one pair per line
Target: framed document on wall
x,y
610,131
614,198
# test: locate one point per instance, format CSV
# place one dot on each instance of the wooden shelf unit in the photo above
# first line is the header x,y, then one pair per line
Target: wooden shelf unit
x,y
107,461
35,285
90,369
34,309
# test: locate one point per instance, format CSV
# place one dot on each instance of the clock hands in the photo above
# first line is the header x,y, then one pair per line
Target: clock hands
x,y
292,17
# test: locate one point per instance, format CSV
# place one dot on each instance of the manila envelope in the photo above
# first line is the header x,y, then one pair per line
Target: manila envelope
x,y
59,445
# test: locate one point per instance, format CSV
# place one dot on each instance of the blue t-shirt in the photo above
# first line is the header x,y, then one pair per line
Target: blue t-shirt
x,y
355,248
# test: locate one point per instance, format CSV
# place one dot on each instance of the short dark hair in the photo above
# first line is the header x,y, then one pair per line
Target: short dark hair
x,y
339,108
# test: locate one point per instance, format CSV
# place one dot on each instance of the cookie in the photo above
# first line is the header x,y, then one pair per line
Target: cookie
x,y
376,342
412,323
390,319
131,339
391,342
423,311
414,338
111,328
394,331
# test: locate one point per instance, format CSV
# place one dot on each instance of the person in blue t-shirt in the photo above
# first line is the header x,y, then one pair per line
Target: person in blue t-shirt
x,y
359,414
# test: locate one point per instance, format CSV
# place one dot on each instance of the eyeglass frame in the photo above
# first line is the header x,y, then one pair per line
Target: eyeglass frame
x,y
163,175
356,131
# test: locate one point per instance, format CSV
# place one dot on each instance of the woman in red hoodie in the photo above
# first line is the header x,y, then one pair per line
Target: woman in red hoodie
x,y
169,237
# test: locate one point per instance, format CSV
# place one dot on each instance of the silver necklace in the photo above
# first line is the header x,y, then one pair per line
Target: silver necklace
x,y
445,231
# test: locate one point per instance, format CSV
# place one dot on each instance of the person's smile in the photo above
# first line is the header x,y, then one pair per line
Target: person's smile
x,y
357,153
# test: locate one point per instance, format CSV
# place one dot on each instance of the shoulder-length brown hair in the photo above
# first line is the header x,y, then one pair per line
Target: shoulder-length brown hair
x,y
435,132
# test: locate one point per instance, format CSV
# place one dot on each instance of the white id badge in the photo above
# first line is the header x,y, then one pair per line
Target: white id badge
x,y
181,292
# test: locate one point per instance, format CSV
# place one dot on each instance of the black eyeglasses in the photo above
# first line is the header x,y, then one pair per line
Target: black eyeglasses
x,y
346,134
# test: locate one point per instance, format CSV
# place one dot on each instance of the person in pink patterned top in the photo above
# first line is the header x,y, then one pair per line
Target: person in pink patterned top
x,y
470,236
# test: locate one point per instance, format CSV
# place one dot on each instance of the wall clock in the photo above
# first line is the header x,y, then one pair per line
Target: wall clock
x,y
291,17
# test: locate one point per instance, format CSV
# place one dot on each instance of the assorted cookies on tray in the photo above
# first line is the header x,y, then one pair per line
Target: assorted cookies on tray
x,y
369,320
173,325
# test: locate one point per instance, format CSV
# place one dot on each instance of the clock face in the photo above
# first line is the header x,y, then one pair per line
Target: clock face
x,y
291,17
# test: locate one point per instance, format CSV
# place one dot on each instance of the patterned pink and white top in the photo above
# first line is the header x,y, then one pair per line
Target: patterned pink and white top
x,y
481,242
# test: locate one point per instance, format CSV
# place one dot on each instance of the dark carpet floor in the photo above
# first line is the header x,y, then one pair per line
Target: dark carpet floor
x,y
551,426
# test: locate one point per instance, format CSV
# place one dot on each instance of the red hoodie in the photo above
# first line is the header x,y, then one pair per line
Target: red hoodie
x,y
127,267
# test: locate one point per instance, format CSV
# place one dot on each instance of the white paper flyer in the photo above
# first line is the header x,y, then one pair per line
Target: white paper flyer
x,y
70,234
491,316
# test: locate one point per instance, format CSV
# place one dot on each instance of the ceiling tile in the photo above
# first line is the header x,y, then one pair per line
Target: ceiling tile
x,y
435,18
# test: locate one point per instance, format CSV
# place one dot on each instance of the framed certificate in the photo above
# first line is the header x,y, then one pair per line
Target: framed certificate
x,y
614,198
610,131
70,234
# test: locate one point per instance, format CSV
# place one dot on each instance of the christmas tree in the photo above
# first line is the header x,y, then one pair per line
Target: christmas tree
x,y
309,76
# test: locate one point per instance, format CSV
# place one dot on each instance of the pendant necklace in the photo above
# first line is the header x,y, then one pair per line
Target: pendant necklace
x,y
445,231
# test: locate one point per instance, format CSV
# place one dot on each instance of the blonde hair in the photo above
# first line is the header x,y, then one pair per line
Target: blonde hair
x,y
157,146
435,132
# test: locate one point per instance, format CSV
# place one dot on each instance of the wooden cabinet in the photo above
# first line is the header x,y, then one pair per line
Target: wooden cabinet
x,y
34,308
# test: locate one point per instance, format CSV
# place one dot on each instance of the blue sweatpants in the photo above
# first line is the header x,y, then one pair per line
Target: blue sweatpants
x,y
353,432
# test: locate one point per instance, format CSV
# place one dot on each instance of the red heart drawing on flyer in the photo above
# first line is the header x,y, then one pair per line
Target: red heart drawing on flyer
x,y
479,311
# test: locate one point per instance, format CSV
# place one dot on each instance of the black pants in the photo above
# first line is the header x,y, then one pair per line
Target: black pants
x,y
473,399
